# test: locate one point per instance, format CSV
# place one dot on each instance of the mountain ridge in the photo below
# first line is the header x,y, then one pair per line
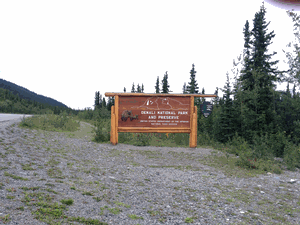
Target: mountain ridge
x,y
24,93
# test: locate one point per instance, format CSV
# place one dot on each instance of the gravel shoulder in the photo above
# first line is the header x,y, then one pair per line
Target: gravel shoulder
x,y
124,184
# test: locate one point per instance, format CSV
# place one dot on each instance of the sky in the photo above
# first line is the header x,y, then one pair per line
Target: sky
x,y
68,50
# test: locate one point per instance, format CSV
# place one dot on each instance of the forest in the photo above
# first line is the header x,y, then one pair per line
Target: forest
x,y
252,120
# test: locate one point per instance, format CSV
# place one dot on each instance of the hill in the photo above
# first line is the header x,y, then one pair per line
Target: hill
x,y
29,95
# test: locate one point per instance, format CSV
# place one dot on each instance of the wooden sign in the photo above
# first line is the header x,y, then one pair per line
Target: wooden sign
x,y
154,113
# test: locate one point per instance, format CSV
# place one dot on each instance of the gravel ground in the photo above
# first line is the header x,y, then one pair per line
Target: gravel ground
x,y
125,184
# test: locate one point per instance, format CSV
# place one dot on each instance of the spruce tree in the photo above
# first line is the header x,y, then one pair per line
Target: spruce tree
x,y
165,84
258,77
100,101
246,76
227,125
192,87
138,88
103,103
133,89
202,92
294,91
109,104
184,91
124,90
96,100
142,88
236,92
157,86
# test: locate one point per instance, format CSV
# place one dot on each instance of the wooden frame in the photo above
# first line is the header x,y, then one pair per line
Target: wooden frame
x,y
128,100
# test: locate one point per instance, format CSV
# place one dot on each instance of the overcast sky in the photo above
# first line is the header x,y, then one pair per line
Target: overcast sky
x,y
68,50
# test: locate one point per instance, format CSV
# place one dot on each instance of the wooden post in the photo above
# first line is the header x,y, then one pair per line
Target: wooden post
x,y
113,126
194,127
116,117
192,136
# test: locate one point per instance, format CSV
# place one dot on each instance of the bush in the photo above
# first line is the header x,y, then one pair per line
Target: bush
x,y
101,130
141,139
277,143
291,156
238,145
182,139
204,139
262,147
246,159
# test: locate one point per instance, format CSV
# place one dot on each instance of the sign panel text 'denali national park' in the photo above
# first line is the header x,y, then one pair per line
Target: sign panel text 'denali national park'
x,y
154,111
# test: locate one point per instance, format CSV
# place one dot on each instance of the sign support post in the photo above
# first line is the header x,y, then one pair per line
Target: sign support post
x,y
154,113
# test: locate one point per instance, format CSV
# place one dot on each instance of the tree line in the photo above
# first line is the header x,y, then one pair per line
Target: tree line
x,y
251,108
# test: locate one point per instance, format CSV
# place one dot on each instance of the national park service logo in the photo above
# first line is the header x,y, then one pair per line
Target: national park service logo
x,y
206,109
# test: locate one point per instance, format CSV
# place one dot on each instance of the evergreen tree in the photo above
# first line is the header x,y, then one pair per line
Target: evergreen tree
x,y
133,89
138,88
202,92
124,90
216,99
184,91
103,103
142,88
110,103
100,101
97,100
259,85
227,125
246,75
192,87
294,91
157,86
165,84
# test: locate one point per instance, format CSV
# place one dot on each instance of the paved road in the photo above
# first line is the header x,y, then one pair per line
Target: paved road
x,y
12,117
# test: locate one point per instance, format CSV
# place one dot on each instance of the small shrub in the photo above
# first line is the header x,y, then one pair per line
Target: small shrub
x,y
238,145
205,139
278,142
291,156
141,139
101,130
182,139
67,201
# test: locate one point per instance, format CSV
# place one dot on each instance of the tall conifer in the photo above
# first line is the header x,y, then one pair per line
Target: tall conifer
x,y
133,89
138,88
157,86
192,87
184,91
165,84
96,105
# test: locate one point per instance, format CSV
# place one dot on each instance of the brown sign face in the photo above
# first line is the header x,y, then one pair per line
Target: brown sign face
x,y
160,112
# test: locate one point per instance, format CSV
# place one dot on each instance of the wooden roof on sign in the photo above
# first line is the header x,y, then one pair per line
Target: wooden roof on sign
x,y
154,94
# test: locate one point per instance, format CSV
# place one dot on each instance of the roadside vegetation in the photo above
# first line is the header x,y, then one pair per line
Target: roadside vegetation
x,y
257,157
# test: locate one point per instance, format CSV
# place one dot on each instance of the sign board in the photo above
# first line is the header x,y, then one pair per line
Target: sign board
x,y
154,113
206,108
